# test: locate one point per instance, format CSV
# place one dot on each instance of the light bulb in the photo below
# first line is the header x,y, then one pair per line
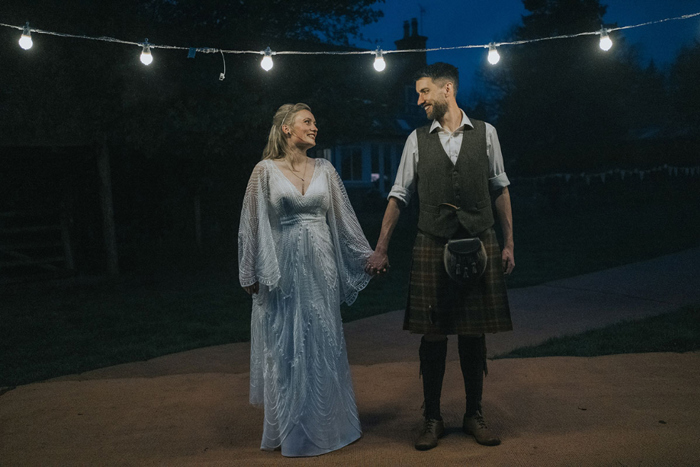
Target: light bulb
x,y
146,57
26,40
379,63
493,57
266,62
605,41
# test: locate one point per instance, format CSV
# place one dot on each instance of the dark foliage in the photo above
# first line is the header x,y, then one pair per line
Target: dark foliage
x,y
565,105
685,92
174,130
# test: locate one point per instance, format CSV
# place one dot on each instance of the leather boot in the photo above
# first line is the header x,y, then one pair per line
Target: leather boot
x,y
431,431
477,427
472,360
432,366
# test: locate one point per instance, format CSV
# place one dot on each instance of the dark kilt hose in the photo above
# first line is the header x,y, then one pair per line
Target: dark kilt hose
x,y
438,305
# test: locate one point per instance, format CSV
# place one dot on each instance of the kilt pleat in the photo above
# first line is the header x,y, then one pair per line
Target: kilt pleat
x,y
438,305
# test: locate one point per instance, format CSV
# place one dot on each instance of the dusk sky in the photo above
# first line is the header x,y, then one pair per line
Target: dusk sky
x,y
459,22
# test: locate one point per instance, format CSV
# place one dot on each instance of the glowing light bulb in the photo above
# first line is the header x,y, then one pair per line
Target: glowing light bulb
x,y
605,42
379,63
266,62
26,40
493,57
146,57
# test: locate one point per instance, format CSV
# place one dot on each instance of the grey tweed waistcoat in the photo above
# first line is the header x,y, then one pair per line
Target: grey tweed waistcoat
x,y
464,184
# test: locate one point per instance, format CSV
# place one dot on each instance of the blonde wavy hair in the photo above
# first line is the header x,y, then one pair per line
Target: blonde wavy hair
x,y
276,147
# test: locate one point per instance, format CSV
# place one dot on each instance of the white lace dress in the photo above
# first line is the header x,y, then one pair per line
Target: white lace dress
x,y
308,253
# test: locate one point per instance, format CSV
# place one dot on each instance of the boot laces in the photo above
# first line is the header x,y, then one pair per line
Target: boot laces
x,y
480,421
429,425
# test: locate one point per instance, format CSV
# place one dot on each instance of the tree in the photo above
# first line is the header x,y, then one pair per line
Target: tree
x,y
91,76
564,104
174,129
685,95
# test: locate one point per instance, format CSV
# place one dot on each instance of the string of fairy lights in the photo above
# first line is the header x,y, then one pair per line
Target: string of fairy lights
x,y
266,62
619,175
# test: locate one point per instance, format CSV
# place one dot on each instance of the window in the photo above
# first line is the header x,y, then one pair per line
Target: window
x,y
375,158
388,169
351,165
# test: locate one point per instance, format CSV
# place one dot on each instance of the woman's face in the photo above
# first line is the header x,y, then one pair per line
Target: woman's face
x,y
303,131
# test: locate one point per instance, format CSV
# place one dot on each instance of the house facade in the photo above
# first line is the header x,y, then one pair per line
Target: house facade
x,y
370,162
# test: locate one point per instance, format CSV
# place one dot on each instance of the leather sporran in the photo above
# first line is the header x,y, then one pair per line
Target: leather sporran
x,y
465,260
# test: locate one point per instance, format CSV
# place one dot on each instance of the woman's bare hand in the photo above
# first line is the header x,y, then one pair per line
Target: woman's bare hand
x,y
252,289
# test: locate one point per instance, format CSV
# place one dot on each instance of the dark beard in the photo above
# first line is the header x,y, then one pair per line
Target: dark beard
x,y
438,111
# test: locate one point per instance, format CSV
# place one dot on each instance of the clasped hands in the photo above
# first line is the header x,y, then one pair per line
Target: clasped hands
x,y
252,289
377,264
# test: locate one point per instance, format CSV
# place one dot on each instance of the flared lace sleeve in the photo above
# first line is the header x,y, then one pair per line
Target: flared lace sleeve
x,y
257,257
351,247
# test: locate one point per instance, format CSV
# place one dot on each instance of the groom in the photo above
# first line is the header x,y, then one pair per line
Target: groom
x,y
456,166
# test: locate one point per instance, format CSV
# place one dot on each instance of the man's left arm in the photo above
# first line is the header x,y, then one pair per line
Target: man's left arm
x,y
498,183
505,218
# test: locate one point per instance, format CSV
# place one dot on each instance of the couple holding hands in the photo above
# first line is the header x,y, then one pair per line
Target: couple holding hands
x,y
302,253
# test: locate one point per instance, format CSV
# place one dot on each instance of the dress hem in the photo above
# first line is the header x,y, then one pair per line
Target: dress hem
x,y
321,452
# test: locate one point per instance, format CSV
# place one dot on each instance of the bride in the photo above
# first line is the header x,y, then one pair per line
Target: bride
x,y
301,253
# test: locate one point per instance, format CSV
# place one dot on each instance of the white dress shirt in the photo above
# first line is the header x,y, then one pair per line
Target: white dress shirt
x,y
405,183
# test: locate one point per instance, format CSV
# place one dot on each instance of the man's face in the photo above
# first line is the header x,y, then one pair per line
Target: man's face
x,y
432,98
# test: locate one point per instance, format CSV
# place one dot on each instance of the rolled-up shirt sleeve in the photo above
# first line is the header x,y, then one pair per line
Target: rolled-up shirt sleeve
x,y
497,172
405,183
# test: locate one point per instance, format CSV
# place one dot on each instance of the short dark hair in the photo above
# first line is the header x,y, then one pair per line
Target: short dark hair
x,y
439,71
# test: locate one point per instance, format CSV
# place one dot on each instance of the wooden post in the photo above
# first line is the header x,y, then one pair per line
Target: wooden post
x,y
381,170
107,209
65,237
366,176
198,220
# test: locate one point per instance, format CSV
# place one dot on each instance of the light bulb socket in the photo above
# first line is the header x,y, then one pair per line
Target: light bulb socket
x,y
379,63
493,56
146,57
25,41
266,62
605,41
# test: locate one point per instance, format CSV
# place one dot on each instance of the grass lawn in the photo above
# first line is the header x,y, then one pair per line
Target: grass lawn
x,y
678,331
51,331
64,331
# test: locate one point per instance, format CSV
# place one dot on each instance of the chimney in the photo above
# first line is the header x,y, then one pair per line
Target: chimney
x,y
403,66
412,40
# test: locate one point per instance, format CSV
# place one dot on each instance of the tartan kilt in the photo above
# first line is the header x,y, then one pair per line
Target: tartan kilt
x,y
438,305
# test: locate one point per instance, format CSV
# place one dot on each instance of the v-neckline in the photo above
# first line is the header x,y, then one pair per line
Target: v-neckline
x,y
311,180
459,154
